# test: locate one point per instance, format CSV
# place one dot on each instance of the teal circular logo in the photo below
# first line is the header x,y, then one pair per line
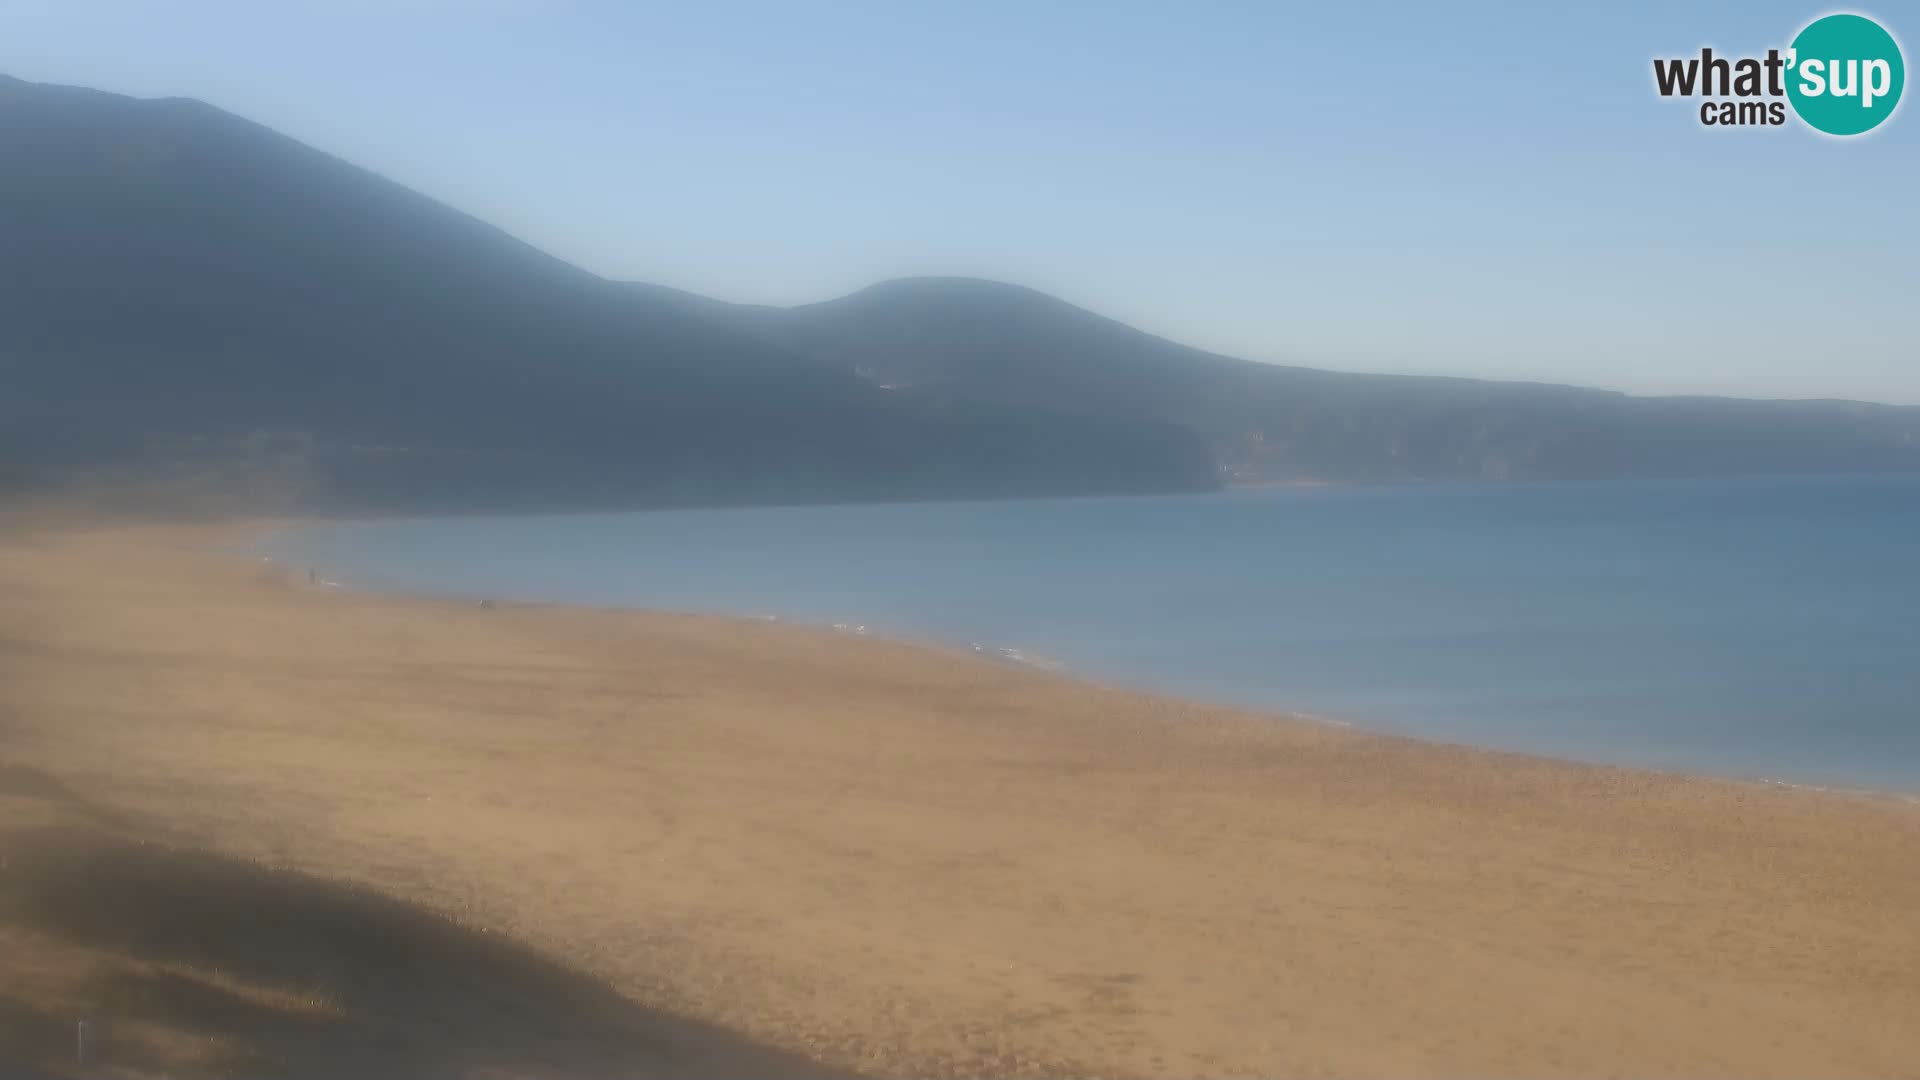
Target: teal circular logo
x,y
1845,74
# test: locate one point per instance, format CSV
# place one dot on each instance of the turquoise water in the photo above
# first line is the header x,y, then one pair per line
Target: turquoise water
x,y
1765,628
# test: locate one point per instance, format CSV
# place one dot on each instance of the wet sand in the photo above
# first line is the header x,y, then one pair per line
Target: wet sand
x,y
643,844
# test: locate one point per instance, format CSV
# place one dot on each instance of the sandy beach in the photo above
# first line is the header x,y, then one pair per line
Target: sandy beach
x,y
250,826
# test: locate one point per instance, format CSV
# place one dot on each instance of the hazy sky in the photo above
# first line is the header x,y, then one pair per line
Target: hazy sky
x,y
1495,191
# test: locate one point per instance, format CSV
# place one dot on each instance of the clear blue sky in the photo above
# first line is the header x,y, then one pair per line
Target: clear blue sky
x,y
1494,191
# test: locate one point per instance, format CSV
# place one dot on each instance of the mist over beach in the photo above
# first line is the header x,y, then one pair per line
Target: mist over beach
x,y
581,540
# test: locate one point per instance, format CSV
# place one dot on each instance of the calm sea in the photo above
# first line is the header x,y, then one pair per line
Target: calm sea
x,y
1762,628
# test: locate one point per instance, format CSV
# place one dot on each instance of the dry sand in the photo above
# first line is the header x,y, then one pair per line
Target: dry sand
x,y
260,827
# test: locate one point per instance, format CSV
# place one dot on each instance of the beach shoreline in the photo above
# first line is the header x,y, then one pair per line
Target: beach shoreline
x,y
1024,659
262,538
895,859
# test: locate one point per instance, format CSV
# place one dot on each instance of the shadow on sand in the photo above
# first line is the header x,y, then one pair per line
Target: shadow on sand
x,y
305,977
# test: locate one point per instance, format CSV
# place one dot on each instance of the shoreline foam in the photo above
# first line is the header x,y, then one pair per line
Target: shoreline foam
x,y
1027,660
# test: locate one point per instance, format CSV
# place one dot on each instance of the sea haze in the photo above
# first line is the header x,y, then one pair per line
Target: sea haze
x,y
1757,627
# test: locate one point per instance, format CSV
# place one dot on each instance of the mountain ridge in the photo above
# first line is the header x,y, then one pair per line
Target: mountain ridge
x,y
698,301
180,282
178,277
976,339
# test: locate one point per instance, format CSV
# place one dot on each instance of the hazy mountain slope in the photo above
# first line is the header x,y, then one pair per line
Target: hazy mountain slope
x,y
962,339
173,277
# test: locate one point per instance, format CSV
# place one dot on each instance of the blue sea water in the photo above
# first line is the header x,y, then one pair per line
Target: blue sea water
x,y
1758,628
